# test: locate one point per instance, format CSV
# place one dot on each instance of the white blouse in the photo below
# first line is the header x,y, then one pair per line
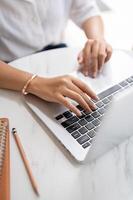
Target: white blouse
x,y
27,26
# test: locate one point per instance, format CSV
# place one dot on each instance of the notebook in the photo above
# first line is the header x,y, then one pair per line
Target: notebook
x,y
4,160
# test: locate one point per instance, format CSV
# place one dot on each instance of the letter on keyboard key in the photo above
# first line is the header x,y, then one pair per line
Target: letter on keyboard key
x,y
99,104
106,101
89,118
83,139
96,122
76,134
67,114
59,117
73,127
82,122
83,130
69,121
102,110
87,144
91,134
90,126
123,83
95,114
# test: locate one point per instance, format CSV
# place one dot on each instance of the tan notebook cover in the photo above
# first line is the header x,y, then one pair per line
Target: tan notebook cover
x,y
4,160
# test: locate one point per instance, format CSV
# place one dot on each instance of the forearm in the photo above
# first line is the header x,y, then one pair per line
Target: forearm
x,y
94,28
12,78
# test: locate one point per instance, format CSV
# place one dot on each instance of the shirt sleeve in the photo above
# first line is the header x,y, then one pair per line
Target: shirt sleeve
x,y
82,10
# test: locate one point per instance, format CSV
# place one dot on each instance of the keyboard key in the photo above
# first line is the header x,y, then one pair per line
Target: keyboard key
x,y
83,130
99,104
95,114
59,117
90,126
96,122
83,139
129,80
91,134
69,121
101,110
89,118
67,114
82,116
79,107
73,127
87,112
94,101
82,122
96,129
109,91
87,144
106,101
100,118
110,97
91,140
76,134
105,107
123,83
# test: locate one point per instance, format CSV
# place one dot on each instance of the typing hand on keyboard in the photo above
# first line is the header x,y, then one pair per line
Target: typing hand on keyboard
x,y
84,128
58,88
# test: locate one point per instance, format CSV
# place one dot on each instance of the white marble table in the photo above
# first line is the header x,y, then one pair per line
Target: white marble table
x,y
57,174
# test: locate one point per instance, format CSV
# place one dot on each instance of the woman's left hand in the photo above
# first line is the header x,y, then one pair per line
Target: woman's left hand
x,y
93,56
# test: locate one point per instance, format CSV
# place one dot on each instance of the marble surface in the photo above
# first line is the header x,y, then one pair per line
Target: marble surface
x,y
58,175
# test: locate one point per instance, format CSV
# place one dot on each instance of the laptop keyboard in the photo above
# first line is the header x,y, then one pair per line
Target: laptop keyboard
x,y
83,129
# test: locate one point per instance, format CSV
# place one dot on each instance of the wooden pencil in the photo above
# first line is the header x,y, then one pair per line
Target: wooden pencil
x,y
25,161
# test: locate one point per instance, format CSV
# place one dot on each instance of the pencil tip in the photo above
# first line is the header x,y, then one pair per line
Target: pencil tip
x,y
13,130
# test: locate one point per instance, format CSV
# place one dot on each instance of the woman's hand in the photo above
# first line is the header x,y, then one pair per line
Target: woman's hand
x,y
93,56
58,88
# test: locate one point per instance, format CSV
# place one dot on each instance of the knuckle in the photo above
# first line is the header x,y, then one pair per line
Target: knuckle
x,y
63,81
102,55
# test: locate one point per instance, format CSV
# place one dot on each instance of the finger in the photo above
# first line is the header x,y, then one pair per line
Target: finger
x,y
85,88
80,57
84,96
101,57
62,100
78,98
86,58
91,104
109,53
94,58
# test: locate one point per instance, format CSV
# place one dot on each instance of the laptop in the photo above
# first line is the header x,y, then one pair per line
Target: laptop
x,y
93,134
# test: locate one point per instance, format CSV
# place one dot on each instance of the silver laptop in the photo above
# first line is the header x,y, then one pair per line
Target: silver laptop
x,y
93,134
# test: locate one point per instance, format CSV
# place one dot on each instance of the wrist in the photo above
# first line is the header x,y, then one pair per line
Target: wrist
x,y
35,85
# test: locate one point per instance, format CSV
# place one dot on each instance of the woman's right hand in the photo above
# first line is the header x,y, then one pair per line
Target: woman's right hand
x,y
58,88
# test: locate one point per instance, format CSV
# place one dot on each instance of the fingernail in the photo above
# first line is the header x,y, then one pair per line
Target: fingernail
x,y
97,98
95,107
79,114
